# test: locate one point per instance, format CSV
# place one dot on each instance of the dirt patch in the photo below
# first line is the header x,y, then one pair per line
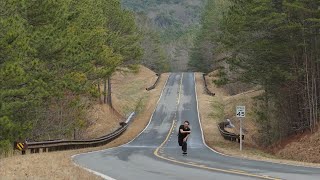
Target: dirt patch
x,y
221,106
58,165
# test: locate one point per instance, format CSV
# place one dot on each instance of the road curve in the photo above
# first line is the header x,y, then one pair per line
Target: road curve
x,y
155,154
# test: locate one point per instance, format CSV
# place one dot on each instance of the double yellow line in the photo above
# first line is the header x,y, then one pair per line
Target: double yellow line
x,y
231,171
173,123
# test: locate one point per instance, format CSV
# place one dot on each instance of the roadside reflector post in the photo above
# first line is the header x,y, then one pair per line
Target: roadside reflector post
x,y
241,114
21,146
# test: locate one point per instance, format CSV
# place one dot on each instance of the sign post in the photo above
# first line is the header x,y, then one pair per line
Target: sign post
x,y
241,113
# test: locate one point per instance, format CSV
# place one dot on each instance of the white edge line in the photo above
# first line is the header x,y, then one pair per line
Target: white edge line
x,y
94,172
103,175
203,140
151,115
195,85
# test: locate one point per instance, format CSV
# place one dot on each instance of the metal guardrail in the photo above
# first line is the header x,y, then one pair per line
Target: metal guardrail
x,y
57,145
155,84
227,135
206,86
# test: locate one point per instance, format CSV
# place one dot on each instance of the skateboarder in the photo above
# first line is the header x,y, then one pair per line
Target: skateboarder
x,y
184,132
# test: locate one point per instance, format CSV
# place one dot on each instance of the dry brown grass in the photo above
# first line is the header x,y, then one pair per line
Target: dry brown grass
x,y
126,97
58,165
129,92
305,148
222,107
216,109
103,120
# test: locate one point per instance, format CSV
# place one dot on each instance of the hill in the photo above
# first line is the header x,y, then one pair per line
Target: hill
x,y
176,22
300,149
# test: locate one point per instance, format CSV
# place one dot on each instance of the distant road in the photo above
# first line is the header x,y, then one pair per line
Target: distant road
x,y
155,154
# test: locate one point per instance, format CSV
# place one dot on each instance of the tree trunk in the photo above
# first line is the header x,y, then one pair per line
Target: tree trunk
x,y
105,91
307,83
99,91
109,100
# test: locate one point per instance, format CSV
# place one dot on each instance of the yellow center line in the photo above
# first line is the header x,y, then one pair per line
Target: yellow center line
x,y
238,172
235,170
179,93
194,163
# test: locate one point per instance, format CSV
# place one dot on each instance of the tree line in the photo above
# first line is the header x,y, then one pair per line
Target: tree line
x,y
154,56
54,56
173,24
273,44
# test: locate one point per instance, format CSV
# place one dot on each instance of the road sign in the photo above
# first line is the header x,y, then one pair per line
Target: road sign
x,y
20,146
241,111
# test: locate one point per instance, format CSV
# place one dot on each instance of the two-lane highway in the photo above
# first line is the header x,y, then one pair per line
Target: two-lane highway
x,y
155,153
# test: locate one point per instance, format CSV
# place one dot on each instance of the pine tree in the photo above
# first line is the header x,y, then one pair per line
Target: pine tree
x,y
54,53
273,44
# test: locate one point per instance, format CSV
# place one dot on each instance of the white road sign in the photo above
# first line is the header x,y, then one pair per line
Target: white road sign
x,y
241,111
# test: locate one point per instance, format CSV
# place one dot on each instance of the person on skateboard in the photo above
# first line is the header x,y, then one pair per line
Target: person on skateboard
x,y
184,132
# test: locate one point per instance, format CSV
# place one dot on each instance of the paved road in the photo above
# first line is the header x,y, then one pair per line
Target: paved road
x,y
154,154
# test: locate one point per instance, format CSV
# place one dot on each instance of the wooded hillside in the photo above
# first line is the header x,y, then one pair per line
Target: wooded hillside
x,y
53,57
272,44
174,23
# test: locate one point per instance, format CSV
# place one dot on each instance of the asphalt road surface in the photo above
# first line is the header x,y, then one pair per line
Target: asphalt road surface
x,y
155,153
